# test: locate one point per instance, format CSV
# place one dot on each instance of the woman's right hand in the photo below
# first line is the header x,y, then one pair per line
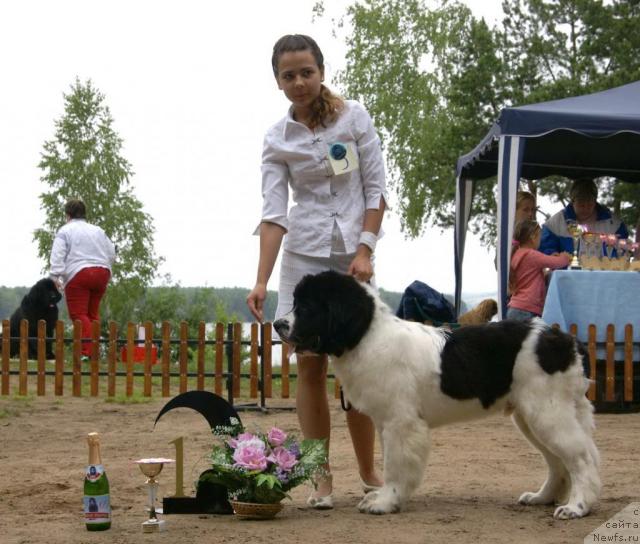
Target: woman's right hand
x,y
255,301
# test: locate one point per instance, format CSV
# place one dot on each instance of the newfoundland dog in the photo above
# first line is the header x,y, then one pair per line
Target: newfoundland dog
x,y
39,303
409,378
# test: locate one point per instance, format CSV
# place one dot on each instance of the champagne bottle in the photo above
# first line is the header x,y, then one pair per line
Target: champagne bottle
x,y
97,507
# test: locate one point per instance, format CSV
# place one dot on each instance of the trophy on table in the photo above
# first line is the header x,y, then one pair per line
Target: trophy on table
x,y
576,233
151,468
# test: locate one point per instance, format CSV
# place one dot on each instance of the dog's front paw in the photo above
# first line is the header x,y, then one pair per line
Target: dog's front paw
x,y
570,511
531,498
379,502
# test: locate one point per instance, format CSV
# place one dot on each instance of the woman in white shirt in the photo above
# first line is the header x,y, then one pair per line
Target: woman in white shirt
x,y
327,152
81,259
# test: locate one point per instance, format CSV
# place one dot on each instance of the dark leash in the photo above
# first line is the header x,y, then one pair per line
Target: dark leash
x,y
346,405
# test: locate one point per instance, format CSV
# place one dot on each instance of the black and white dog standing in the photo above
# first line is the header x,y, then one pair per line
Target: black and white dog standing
x,y
409,377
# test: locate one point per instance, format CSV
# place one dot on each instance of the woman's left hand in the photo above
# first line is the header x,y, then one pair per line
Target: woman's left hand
x,y
361,267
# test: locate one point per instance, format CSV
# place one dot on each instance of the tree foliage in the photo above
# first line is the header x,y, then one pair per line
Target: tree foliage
x,y
174,303
434,77
84,160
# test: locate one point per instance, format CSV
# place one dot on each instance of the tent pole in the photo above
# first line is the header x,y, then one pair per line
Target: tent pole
x,y
509,165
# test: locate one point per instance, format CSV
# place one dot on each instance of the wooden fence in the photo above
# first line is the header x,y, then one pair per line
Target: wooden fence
x,y
613,381
227,354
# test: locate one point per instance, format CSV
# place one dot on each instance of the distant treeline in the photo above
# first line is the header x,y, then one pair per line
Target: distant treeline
x,y
220,303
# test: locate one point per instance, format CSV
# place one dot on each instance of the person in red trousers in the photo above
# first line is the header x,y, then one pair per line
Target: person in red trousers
x,y
81,259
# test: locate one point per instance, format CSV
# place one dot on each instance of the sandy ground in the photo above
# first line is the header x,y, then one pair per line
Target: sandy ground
x,y
474,476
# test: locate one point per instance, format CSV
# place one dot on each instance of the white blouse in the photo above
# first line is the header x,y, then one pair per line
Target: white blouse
x,y
79,245
298,157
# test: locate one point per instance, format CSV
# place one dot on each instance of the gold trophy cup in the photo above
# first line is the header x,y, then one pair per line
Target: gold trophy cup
x,y
151,468
575,231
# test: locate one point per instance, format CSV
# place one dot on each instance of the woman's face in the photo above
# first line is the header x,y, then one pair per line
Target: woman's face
x,y
300,78
527,210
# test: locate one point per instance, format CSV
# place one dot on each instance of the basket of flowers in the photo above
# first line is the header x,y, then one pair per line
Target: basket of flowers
x,y
258,469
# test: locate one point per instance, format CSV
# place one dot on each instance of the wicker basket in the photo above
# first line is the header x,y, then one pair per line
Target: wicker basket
x,y
252,510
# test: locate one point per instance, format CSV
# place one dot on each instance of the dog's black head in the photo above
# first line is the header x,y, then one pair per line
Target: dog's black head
x,y
43,294
331,313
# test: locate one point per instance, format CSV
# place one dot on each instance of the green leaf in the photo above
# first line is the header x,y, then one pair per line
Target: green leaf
x,y
268,480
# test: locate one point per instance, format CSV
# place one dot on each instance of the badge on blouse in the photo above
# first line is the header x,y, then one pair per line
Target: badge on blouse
x,y
342,158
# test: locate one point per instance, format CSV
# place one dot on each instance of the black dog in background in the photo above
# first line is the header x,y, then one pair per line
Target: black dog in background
x,y
39,303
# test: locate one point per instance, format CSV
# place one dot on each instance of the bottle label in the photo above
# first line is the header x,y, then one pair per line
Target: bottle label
x,y
97,509
94,472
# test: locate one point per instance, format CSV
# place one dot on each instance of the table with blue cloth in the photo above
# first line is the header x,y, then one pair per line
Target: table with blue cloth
x,y
600,297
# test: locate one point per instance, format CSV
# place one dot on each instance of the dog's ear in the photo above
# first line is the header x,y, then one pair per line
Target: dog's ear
x,y
31,297
41,295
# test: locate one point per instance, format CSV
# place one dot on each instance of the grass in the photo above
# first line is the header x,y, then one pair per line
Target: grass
x,y
15,405
136,398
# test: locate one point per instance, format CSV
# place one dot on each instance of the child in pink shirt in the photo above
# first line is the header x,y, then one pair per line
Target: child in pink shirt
x,y
526,275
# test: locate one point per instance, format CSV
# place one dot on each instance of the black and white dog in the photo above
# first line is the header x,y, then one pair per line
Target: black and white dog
x,y
409,377
41,302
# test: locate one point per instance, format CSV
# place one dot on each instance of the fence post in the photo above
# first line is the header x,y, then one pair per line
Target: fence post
x,y
184,353
201,348
42,333
219,357
628,362
610,373
166,358
229,353
284,371
112,358
6,349
591,346
95,357
131,331
77,368
24,356
237,348
59,381
148,344
573,330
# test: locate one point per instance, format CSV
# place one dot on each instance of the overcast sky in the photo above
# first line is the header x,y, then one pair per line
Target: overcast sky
x,y
190,88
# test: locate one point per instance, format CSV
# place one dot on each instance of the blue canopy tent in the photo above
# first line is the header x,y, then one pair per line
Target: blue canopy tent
x,y
591,135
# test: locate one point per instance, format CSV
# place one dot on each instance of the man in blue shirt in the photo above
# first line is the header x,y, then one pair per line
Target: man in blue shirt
x,y
584,210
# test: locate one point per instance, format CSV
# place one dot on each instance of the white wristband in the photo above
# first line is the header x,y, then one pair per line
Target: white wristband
x,y
368,239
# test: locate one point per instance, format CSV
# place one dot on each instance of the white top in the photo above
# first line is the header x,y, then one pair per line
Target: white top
x,y
79,245
298,157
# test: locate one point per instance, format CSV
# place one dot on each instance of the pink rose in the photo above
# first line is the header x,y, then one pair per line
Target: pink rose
x,y
283,458
242,437
276,436
250,456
